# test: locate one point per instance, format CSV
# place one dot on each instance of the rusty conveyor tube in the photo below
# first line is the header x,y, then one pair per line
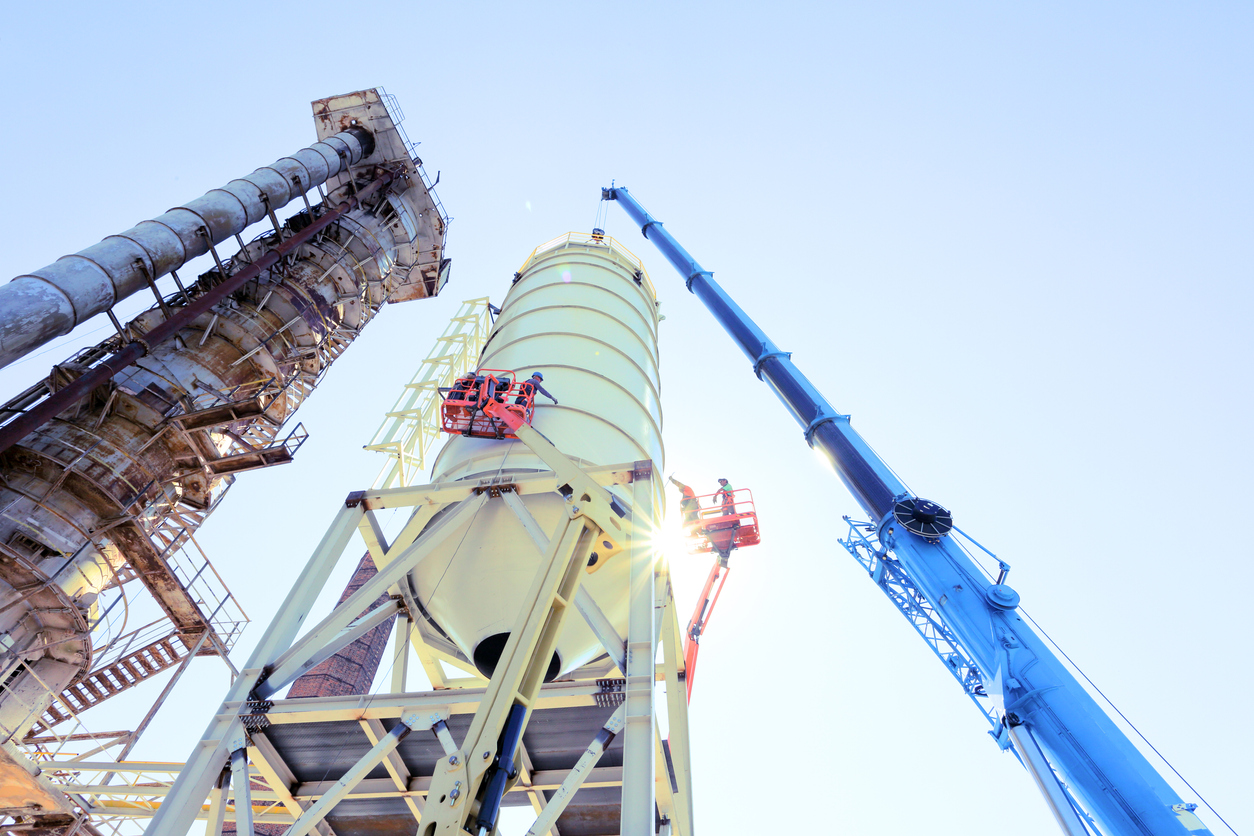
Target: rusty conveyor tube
x,y
53,300
64,398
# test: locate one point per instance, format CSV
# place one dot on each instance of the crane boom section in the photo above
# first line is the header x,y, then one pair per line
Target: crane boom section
x,y
1089,762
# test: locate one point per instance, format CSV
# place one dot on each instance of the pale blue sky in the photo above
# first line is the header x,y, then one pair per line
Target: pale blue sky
x,y
1013,240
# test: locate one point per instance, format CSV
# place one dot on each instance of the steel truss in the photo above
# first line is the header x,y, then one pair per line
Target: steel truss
x,y
490,764
893,581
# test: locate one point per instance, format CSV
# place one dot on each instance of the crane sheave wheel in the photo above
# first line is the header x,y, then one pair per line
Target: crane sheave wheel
x,y
923,517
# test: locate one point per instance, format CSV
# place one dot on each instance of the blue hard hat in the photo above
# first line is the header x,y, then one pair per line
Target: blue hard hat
x,y
537,374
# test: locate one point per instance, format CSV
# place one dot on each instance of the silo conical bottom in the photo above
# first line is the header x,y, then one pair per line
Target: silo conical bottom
x,y
488,653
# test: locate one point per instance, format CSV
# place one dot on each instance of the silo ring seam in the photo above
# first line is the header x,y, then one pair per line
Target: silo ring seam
x,y
598,253
616,384
510,302
656,393
652,355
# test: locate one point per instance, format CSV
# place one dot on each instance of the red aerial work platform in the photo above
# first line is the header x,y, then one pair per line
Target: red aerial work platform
x,y
464,411
728,522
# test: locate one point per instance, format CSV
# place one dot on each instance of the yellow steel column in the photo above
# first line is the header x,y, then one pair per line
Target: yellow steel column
x,y
641,728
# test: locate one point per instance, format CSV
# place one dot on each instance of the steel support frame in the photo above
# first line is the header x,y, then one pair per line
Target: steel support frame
x,y
196,779
640,731
459,779
275,662
121,801
593,517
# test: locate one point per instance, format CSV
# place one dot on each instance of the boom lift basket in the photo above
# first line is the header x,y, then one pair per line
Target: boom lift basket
x,y
730,522
462,411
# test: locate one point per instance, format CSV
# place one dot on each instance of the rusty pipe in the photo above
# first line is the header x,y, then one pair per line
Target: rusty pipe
x,y
53,300
62,399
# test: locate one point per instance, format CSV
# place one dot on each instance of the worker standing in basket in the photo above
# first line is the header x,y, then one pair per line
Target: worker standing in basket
x,y
725,493
688,502
530,387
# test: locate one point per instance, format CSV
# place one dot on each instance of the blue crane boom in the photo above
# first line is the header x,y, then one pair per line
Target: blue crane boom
x,y
1091,775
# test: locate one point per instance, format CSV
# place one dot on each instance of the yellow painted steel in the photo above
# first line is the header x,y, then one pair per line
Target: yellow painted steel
x,y
581,312
412,427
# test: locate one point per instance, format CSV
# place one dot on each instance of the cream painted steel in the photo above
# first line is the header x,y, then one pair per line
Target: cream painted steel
x,y
640,729
548,815
582,312
541,620
53,300
412,426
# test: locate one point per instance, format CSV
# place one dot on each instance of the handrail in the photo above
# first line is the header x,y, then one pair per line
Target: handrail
x,y
592,239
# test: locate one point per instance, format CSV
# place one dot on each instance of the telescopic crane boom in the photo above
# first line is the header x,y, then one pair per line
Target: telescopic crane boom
x,y
1084,765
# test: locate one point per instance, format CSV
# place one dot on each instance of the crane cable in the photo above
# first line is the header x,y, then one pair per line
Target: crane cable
x,y
602,216
1102,693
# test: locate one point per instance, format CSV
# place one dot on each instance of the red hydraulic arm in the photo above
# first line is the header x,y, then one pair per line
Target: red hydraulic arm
x,y
701,618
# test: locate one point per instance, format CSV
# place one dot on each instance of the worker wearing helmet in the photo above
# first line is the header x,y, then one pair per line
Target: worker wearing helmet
x,y
688,502
530,387
724,492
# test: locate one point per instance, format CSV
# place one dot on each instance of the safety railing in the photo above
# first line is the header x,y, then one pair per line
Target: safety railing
x,y
170,528
121,797
592,240
205,587
719,520
294,440
27,702
128,643
462,413
266,388
413,425
393,108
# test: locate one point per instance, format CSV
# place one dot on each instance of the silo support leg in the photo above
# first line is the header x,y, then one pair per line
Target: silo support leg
x,y
677,716
183,803
640,732
338,628
459,778
217,806
241,783
601,626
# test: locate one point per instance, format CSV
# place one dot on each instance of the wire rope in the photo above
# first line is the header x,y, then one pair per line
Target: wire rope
x,y
1093,684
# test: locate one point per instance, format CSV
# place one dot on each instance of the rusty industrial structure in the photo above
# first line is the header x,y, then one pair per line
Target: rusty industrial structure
x,y
110,464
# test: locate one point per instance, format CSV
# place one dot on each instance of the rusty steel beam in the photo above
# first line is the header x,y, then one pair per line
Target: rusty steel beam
x,y
62,399
53,300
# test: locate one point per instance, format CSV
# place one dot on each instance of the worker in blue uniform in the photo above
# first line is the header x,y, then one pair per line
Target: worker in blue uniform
x,y
530,387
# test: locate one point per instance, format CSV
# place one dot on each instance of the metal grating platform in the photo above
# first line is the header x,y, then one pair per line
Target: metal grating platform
x,y
317,751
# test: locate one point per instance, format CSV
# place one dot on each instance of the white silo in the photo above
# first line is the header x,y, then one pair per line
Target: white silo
x,y
583,313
